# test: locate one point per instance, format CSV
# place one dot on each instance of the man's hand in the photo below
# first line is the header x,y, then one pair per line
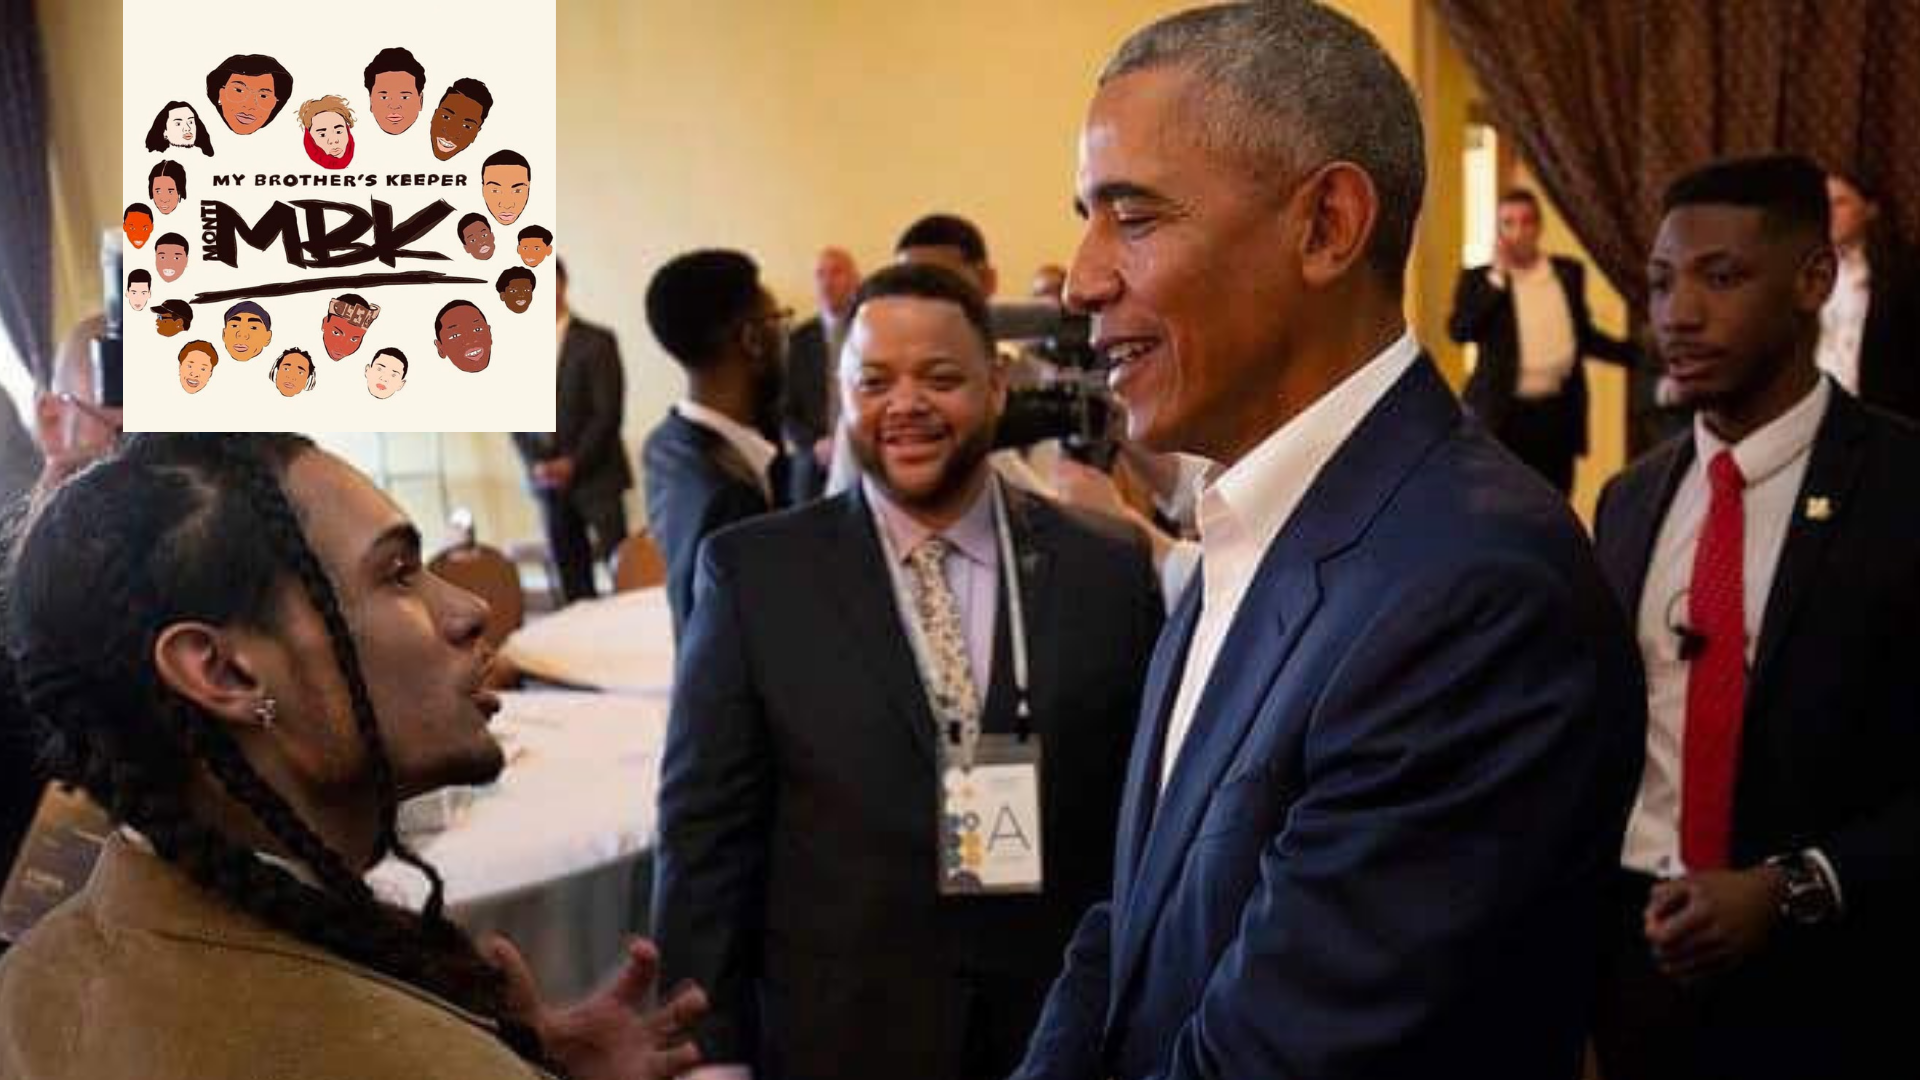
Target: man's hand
x,y
1709,923
621,1032
560,472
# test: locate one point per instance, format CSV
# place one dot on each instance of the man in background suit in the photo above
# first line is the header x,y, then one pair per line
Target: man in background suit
x,y
711,461
1389,738
579,470
1765,905
1870,325
836,656
1527,313
811,403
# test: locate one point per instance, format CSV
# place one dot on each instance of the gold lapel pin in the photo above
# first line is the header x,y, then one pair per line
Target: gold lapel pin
x,y
1819,508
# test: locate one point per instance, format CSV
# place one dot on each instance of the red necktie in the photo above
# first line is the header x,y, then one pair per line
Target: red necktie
x,y
1717,677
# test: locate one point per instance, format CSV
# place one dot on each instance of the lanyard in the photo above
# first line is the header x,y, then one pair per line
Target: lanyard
x,y
966,737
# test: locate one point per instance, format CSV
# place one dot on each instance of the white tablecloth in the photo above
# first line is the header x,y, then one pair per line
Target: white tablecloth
x,y
622,642
548,855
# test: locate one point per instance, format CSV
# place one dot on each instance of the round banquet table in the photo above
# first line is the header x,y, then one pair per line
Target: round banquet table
x,y
622,642
550,854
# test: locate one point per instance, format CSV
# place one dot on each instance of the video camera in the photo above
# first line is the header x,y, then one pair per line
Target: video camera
x,y
1063,394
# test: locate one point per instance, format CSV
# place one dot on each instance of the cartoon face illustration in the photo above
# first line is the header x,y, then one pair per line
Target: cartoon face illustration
x,y
137,223
345,324
249,90
476,236
293,372
330,132
176,124
506,183
167,185
386,373
139,289
461,334
172,316
456,122
395,81
170,257
197,362
248,330
183,126
516,289
536,244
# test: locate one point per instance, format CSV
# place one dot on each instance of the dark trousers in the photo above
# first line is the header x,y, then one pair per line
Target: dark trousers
x,y
1543,432
581,532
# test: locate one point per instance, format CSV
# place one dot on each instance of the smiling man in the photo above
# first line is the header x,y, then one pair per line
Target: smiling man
x,y
137,222
461,334
170,257
249,90
476,236
197,361
248,330
516,289
536,243
506,182
386,373
395,82
346,323
457,121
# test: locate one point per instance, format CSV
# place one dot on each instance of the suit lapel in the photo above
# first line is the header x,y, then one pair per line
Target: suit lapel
x,y
1279,604
1150,736
1643,528
1033,547
864,586
1831,473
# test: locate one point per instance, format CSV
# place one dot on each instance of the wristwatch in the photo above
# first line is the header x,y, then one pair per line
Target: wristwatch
x,y
1807,899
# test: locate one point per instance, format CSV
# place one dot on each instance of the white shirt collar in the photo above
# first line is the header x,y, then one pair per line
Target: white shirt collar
x,y
1773,447
752,445
1259,493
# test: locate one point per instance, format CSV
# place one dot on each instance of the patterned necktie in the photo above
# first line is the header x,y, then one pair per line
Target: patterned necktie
x,y
950,683
1717,677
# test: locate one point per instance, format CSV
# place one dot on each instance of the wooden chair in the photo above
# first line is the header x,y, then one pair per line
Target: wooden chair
x,y
638,564
485,572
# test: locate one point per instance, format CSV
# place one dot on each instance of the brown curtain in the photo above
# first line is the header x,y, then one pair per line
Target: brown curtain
x,y
26,256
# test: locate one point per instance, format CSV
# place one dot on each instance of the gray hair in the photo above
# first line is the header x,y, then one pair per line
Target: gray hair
x,y
1294,84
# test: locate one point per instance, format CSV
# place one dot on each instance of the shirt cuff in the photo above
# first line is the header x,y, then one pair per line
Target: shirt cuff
x,y
1820,863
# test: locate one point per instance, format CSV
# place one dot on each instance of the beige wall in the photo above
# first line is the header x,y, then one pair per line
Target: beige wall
x,y
774,127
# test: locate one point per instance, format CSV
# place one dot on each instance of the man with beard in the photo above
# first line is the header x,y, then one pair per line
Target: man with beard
x,y
857,673
710,462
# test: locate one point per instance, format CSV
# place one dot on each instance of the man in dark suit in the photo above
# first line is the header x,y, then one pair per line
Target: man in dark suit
x,y
1870,325
841,658
1765,905
579,470
1388,739
1527,313
711,461
811,402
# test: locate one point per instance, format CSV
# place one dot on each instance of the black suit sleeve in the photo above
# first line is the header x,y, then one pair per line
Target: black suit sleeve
x,y
727,504
1595,344
716,785
599,437
1475,300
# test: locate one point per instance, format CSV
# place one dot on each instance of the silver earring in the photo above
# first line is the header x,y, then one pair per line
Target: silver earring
x,y
266,710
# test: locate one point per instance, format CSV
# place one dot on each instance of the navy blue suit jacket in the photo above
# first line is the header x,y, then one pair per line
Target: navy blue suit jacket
x,y
1387,846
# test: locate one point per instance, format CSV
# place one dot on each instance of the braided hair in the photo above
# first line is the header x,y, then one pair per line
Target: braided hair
x,y
198,527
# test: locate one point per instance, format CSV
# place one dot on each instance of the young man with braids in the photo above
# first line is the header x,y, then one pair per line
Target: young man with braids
x,y
248,686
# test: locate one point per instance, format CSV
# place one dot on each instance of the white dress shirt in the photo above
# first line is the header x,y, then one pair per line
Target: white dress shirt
x,y
751,445
1243,509
1843,319
1548,349
1774,462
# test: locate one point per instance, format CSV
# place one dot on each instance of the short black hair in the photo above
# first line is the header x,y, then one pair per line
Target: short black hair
x,y
397,59
928,282
169,168
180,309
471,88
396,354
461,229
1520,194
313,373
251,64
697,299
945,230
173,238
535,232
139,275
505,157
449,306
512,272
137,208
1788,189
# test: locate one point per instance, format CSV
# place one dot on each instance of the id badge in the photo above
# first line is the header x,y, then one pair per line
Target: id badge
x,y
990,819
